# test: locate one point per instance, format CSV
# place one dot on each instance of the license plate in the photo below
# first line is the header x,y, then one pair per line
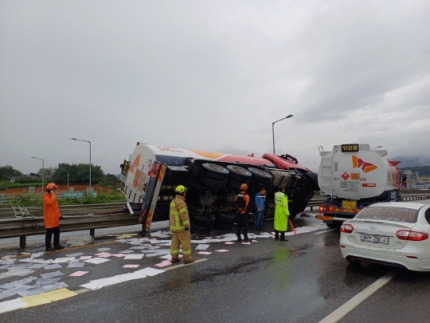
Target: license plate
x,y
346,204
374,238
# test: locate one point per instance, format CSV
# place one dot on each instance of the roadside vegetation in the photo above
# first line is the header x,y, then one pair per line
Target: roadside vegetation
x,y
15,186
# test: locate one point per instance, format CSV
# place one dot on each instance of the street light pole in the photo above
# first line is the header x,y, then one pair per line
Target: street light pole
x,y
89,142
273,130
43,169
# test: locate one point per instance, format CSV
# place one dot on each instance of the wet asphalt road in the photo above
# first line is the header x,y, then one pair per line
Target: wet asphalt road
x,y
302,280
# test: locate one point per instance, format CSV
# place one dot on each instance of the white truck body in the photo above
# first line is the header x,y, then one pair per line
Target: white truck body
x,y
352,176
356,175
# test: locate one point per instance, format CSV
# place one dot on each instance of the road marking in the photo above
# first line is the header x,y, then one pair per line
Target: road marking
x,y
183,265
325,231
358,299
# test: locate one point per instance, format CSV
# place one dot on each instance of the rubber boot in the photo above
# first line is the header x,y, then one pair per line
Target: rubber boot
x,y
276,235
283,236
175,259
188,259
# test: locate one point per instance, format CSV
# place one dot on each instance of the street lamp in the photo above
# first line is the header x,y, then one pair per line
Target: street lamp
x,y
273,129
89,142
43,169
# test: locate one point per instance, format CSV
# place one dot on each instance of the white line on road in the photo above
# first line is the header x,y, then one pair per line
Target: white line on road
x,y
325,231
358,299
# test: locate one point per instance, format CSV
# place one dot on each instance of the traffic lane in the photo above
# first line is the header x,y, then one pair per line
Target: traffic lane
x,y
404,299
303,280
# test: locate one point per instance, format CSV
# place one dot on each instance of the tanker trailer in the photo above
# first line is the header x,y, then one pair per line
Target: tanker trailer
x,y
212,180
352,176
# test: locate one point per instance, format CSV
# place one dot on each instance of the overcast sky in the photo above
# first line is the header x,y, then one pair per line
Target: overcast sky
x,y
211,75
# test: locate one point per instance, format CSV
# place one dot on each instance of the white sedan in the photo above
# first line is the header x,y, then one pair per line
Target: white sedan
x,y
392,233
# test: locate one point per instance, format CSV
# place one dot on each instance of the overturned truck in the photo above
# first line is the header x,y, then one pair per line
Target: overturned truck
x,y
212,180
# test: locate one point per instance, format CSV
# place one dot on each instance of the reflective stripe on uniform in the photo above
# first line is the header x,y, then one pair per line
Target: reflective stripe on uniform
x,y
178,225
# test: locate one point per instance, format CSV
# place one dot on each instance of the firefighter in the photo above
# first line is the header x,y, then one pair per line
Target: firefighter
x,y
242,201
281,213
180,226
51,218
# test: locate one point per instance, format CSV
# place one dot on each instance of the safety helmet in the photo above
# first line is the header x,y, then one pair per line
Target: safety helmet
x,y
180,189
51,186
243,187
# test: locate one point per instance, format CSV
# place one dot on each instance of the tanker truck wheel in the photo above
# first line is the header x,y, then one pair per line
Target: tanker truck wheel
x,y
239,173
260,175
214,171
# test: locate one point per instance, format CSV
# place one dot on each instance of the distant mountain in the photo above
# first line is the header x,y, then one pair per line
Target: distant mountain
x,y
411,161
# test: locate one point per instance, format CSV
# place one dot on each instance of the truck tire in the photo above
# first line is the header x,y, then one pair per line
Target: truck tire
x,y
214,171
213,183
277,179
239,173
260,175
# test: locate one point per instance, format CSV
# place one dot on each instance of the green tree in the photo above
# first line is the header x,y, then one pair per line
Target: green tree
x,y
6,172
77,174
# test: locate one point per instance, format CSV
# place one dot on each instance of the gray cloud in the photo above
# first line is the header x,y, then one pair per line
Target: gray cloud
x,y
211,76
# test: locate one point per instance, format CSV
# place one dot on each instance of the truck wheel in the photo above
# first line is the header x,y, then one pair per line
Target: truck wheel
x,y
213,183
215,171
260,175
239,173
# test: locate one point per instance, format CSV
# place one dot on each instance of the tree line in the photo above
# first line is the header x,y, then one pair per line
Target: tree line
x,y
64,173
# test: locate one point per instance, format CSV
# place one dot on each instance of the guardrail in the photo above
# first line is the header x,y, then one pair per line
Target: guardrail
x,y
25,226
98,216
68,209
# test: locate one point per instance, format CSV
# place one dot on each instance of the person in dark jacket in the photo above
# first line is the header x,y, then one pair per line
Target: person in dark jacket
x,y
242,202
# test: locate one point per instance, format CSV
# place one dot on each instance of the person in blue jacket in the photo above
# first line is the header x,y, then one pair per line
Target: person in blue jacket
x,y
259,208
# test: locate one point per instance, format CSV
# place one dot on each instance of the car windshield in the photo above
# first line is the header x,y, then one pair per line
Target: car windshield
x,y
395,214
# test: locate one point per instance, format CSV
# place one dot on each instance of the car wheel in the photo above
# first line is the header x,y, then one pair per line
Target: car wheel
x,y
353,261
